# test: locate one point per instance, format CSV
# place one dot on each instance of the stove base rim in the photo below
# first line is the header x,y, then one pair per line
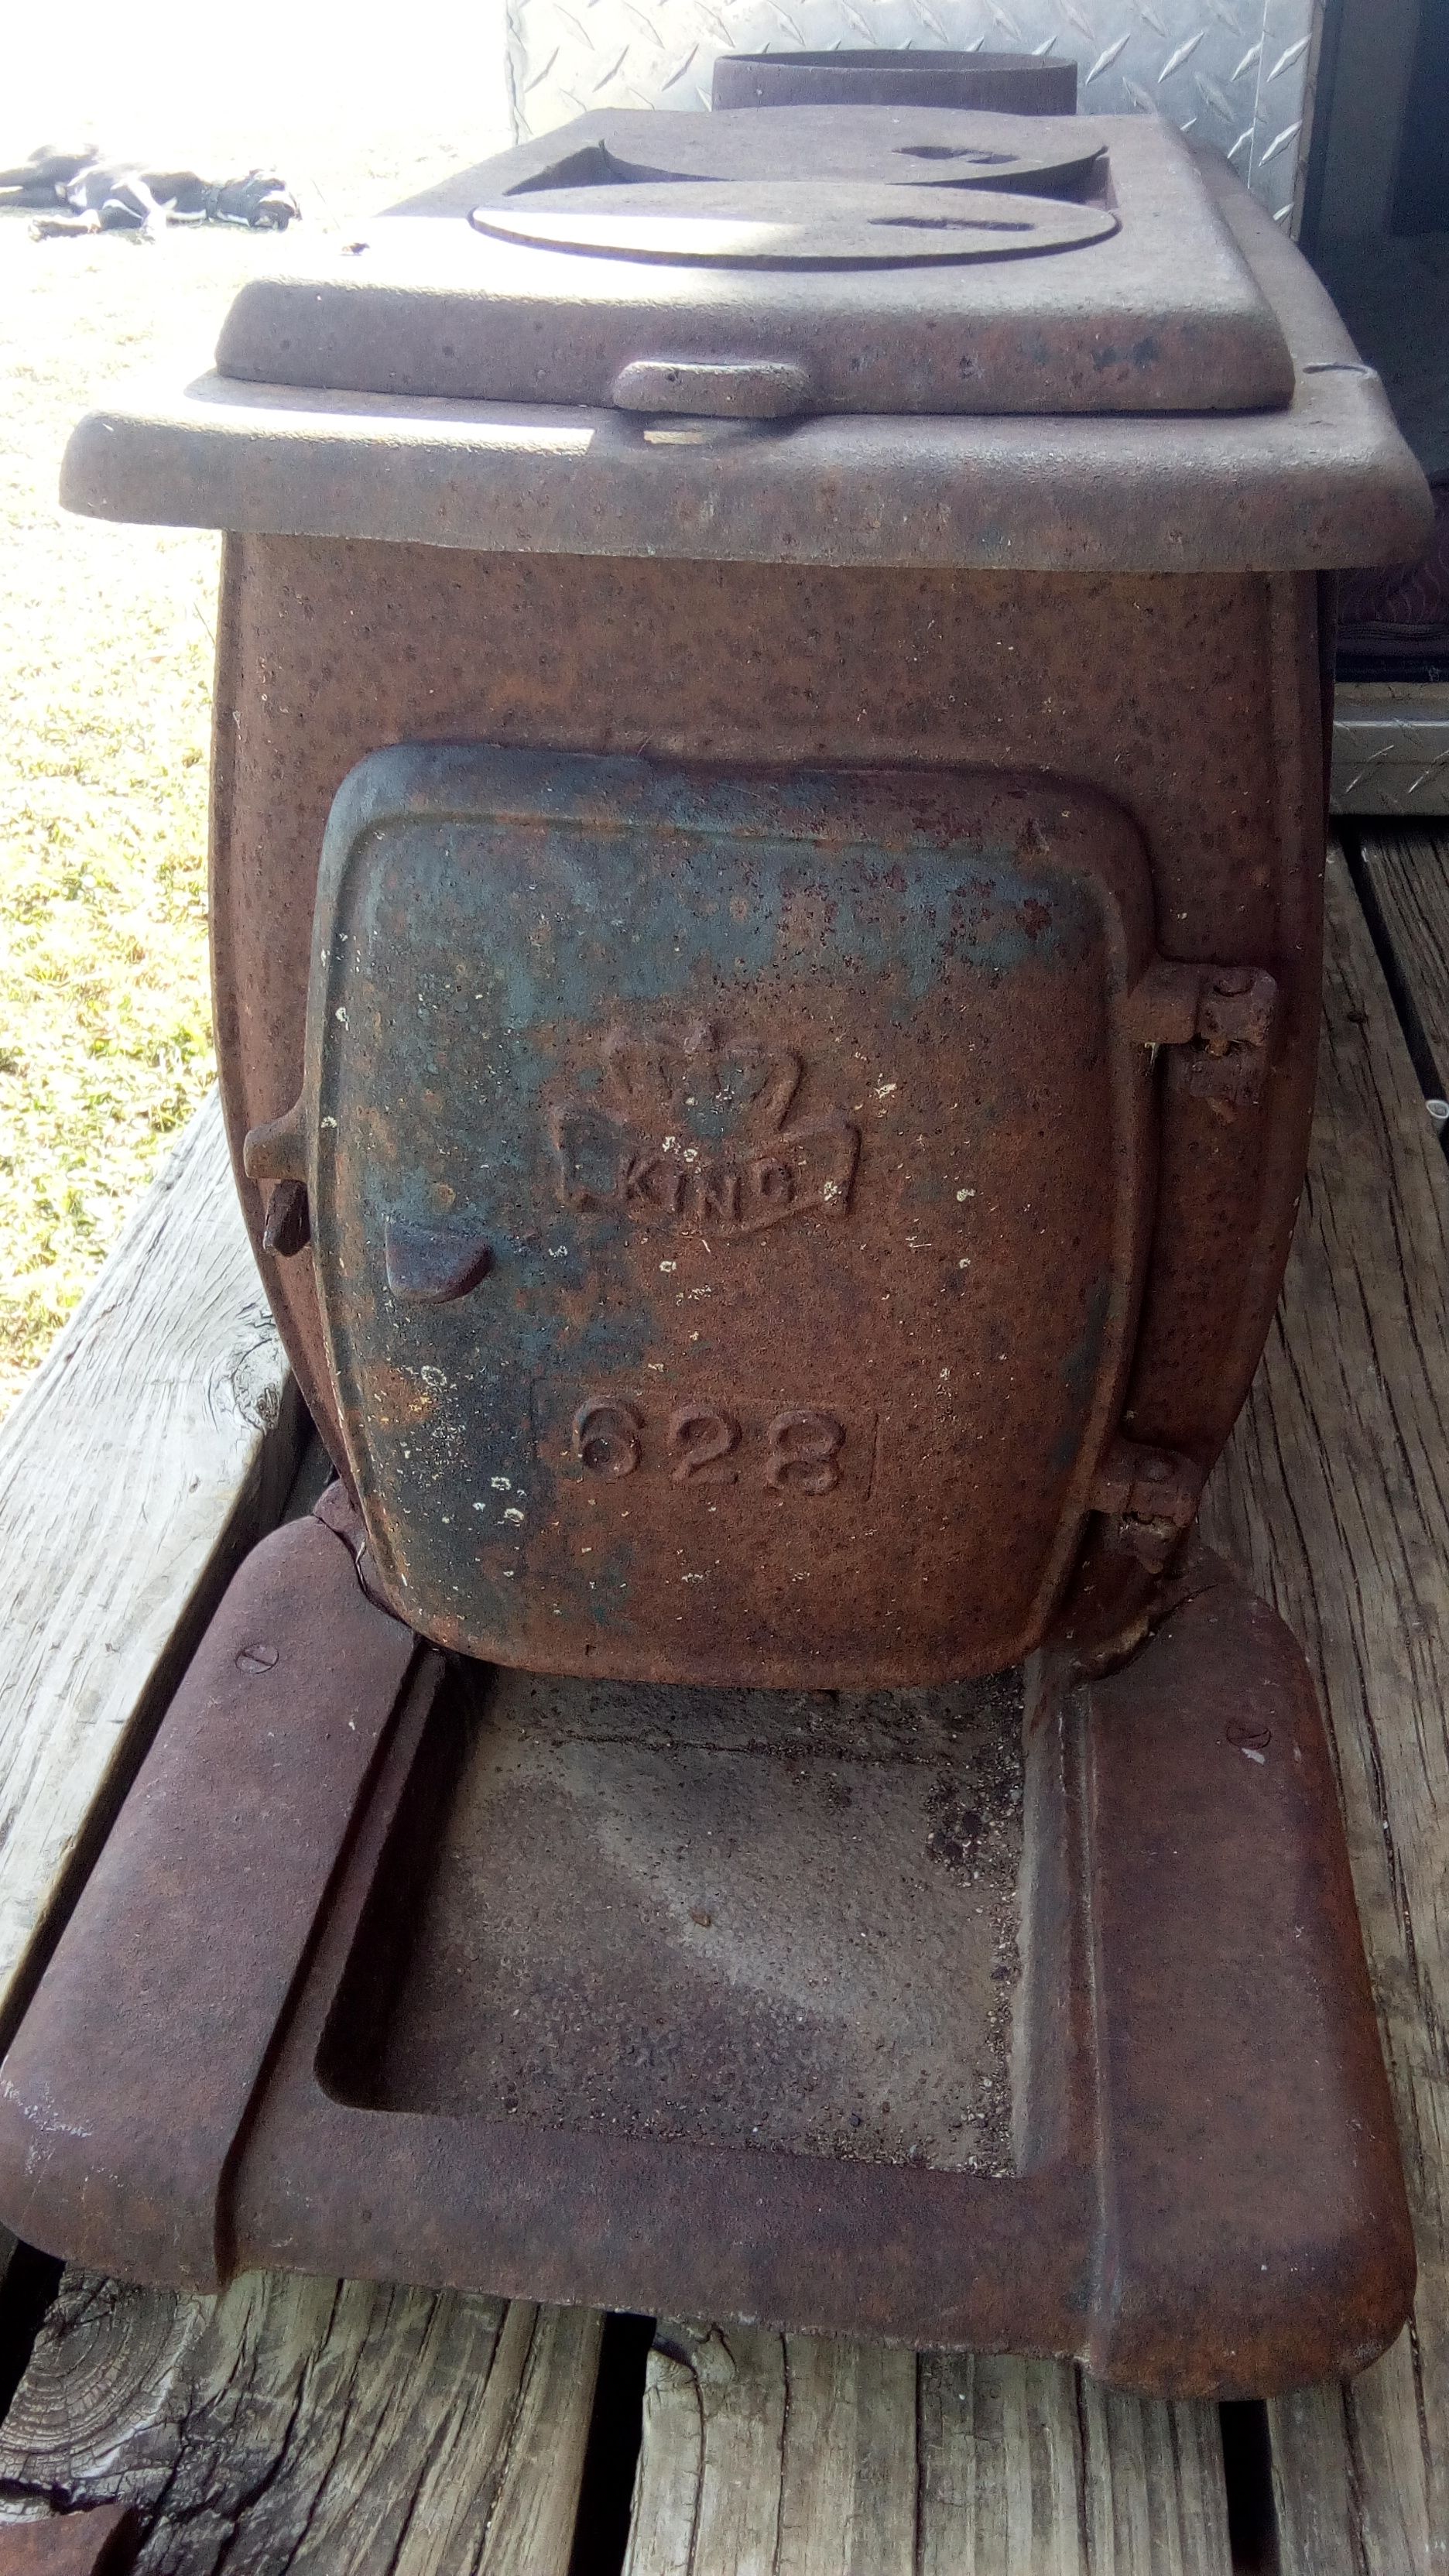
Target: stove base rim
x,y
1244,2237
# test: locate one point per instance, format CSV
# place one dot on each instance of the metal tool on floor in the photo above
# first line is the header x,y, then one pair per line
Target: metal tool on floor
x,y
768,837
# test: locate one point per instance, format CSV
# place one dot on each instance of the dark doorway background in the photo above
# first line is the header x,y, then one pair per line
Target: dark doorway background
x,y
1421,189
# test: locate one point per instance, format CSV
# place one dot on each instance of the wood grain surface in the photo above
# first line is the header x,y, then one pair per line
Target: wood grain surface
x,y
1406,882
153,1444
312,2426
766,2455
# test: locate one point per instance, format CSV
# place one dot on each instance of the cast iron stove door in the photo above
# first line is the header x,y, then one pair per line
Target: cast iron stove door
x,y
728,1199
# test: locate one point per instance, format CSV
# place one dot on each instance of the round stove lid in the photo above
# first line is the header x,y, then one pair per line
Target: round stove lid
x,y
951,147
794,223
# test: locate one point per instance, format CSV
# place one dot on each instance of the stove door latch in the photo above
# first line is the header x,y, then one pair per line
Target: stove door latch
x,y
278,1152
428,1264
1152,1494
1223,1016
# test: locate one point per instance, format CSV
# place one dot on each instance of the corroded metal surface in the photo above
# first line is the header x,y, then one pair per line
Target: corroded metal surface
x,y
781,1179
252,1787
1206,732
1201,2194
768,1096
1049,156
1092,273
1326,483
794,224
793,1920
1186,1956
102,2541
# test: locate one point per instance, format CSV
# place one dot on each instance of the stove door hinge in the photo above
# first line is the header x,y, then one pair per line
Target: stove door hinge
x,y
1151,1494
278,1152
1223,1016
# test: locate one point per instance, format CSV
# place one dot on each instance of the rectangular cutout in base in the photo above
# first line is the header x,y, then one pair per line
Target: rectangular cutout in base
x,y
743,1918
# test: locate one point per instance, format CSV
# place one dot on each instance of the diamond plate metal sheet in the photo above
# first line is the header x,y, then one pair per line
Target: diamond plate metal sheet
x,y
1237,73
1391,748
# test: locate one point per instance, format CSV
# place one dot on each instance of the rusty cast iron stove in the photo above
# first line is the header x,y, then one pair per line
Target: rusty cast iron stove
x,y
768,832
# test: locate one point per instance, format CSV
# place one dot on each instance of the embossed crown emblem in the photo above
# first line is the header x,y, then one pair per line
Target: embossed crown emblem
x,y
695,1126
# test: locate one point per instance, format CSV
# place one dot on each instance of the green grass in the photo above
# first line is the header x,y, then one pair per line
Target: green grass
x,y
105,661
105,679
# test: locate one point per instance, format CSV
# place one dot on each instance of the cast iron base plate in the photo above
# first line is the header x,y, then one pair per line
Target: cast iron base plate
x,y
842,2014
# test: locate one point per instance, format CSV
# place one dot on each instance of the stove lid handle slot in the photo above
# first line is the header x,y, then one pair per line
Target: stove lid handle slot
x,y
714,388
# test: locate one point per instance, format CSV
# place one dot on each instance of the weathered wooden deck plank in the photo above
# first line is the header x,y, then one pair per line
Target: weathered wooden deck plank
x,y
770,2455
1335,1494
1406,872
155,1442
288,2423
310,2425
